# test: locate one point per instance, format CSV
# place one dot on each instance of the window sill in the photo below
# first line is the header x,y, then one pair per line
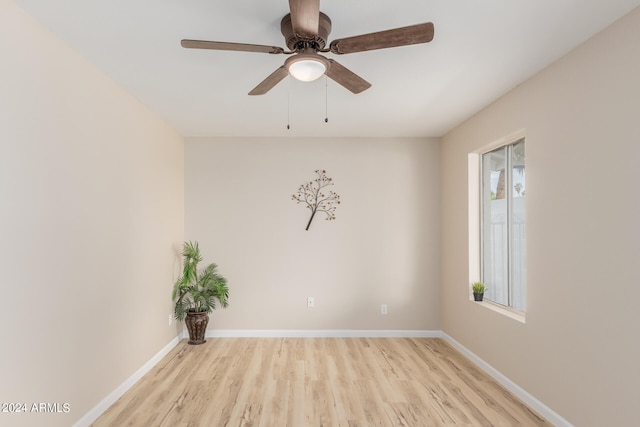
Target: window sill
x,y
512,313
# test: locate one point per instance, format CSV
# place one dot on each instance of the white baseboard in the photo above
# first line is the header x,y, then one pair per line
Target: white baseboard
x,y
542,409
320,333
99,409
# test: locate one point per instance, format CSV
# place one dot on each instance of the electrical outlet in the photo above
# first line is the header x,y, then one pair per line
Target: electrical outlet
x,y
383,309
170,319
311,302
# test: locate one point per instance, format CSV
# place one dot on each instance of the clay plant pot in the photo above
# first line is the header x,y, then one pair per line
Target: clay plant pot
x,y
197,326
478,297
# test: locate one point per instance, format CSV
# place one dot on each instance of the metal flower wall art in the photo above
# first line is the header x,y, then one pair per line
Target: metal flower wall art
x,y
316,199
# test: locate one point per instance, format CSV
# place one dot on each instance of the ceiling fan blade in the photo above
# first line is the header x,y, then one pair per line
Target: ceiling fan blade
x,y
305,17
347,78
241,47
267,84
413,34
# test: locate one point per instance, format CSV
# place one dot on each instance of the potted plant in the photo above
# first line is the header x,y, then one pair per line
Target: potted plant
x,y
195,293
478,291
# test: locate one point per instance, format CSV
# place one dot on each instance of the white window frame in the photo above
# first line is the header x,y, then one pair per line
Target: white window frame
x,y
475,222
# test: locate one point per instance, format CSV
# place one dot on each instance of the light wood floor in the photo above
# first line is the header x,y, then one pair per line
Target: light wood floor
x,y
273,382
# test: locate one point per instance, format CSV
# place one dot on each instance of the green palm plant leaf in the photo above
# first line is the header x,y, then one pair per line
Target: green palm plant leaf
x,y
198,291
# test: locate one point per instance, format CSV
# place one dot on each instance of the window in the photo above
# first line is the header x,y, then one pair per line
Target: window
x,y
502,229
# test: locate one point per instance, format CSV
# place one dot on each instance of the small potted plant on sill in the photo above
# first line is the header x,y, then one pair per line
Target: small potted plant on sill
x,y
195,293
478,291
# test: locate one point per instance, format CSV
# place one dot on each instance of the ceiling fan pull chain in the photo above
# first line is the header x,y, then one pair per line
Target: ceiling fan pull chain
x,y
288,104
326,99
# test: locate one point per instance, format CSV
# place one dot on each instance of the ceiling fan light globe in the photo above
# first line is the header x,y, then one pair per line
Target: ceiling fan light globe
x,y
307,70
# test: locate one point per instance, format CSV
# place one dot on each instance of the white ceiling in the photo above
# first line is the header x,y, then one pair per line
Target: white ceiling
x,y
480,51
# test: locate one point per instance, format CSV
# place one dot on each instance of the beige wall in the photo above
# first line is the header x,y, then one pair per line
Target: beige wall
x,y
383,248
578,351
91,217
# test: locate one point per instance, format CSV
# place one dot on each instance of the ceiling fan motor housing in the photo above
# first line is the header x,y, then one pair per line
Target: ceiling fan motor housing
x,y
295,42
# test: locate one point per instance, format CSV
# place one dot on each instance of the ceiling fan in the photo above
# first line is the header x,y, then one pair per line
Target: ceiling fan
x,y
306,31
